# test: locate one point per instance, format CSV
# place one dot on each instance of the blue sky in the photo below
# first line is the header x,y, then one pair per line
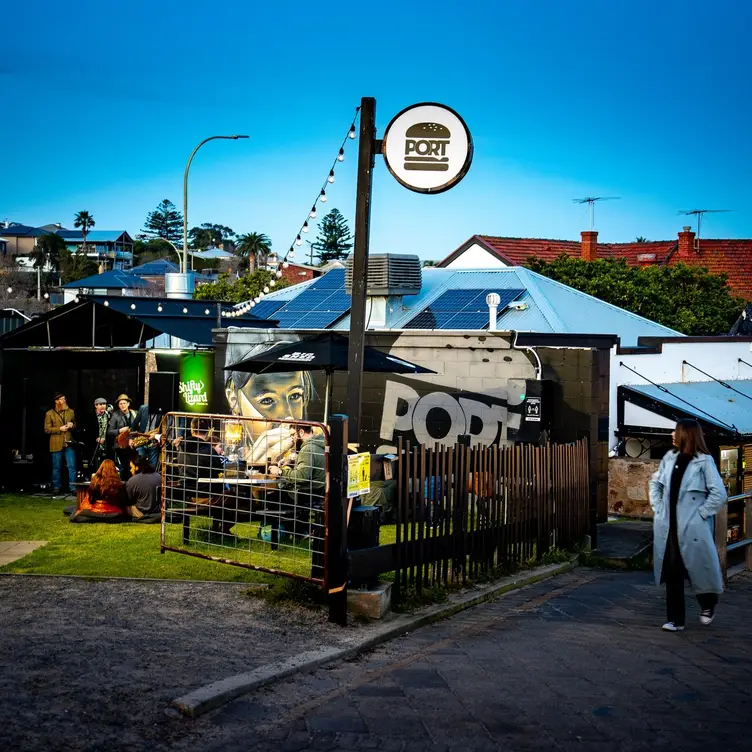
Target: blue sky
x,y
103,101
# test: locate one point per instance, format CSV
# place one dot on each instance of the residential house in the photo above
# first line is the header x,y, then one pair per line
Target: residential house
x,y
154,273
731,257
114,282
111,249
21,239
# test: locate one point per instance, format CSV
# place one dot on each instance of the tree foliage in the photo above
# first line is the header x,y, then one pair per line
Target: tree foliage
x,y
686,298
152,249
164,222
209,234
49,250
255,248
334,239
75,266
84,221
230,290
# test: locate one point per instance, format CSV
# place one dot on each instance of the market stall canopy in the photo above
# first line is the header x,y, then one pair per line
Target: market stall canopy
x,y
723,408
116,321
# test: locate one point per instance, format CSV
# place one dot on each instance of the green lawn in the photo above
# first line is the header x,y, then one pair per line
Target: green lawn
x,y
125,550
132,550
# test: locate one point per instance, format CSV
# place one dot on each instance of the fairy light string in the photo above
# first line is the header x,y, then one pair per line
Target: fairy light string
x,y
321,197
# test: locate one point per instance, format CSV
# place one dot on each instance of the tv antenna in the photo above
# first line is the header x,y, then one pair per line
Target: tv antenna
x,y
699,212
591,200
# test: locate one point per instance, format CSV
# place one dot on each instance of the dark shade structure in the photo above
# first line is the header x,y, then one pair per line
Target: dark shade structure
x,y
327,352
117,321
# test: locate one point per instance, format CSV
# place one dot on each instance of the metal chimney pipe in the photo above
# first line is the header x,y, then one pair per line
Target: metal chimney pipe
x,y
492,300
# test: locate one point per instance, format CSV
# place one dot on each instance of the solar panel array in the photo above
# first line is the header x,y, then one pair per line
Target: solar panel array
x,y
460,309
317,307
265,308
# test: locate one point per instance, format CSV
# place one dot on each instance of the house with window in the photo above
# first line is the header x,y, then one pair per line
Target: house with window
x,y
20,239
730,257
112,249
113,283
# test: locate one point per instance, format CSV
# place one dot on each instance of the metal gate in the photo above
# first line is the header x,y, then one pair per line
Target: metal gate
x,y
247,492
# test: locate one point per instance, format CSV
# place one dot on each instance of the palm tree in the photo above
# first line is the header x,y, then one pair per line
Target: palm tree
x,y
641,239
254,246
85,221
49,249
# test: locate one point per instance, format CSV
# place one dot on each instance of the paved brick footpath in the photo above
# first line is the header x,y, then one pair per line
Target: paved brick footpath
x,y
575,663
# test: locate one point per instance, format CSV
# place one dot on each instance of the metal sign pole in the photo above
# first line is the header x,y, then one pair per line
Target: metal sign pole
x,y
366,154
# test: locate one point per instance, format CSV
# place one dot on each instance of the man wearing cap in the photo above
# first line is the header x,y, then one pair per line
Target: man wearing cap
x,y
121,421
99,432
58,423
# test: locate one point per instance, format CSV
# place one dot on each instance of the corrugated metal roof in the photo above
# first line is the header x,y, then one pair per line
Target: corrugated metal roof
x,y
209,254
95,236
111,280
552,307
155,268
726,406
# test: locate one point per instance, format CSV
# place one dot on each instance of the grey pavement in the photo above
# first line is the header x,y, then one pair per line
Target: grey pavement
x,y
11,551
574,663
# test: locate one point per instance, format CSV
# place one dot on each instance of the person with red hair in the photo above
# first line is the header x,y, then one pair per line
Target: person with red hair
x,y
106,500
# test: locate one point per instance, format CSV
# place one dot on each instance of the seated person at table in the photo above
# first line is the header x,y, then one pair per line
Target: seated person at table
x,y
143,489
303,480
199,457
106,501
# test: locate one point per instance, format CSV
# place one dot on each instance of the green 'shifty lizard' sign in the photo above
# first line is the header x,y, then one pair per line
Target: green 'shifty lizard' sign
x,y
195,387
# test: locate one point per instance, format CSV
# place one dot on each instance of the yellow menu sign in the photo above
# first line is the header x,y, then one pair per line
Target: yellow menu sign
x,y
358,474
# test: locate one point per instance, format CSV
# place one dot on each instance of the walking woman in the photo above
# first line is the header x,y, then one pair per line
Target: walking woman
x,y
685,494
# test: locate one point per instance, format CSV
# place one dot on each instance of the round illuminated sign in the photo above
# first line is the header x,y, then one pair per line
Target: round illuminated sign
x,y
428,148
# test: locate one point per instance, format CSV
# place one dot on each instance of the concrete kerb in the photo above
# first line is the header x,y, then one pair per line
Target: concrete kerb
x,y
218,693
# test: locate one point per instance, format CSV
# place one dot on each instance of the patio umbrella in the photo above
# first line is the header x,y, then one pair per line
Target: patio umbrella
x,y
326,352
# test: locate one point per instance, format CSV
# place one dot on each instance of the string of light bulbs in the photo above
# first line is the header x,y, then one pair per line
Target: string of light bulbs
x,y
321,197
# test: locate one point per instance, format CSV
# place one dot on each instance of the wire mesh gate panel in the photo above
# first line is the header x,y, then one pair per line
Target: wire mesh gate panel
x,y
247,492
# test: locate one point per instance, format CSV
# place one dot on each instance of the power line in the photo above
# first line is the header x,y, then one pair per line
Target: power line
x,y
676,396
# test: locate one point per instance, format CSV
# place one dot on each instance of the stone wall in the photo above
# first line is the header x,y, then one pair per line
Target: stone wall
x,y
628,486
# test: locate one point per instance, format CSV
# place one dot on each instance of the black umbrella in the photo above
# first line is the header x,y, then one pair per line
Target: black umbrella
x,y
327,352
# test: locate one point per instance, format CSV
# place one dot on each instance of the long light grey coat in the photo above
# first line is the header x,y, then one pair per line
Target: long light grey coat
x,y
701,495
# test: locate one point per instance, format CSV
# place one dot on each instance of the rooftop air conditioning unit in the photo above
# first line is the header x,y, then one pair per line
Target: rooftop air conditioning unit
x,y
389,274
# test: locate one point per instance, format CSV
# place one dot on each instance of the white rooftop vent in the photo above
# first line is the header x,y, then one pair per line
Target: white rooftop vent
x,y
389,274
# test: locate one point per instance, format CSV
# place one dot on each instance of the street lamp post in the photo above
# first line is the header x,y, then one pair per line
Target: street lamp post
x,y
184,268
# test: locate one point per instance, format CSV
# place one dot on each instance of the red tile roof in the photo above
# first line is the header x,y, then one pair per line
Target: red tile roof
x,y
732,257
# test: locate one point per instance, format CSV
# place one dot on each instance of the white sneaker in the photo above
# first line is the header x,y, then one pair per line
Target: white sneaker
x,y
669,626
706,616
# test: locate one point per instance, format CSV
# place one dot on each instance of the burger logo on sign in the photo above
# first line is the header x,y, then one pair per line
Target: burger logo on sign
x,y
428,148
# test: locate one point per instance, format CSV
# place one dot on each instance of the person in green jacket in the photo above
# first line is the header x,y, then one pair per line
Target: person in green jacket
x,y
304,480
307,473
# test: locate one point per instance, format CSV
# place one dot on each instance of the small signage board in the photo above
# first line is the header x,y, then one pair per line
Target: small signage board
x,y
196,379
358,474
428,148
533,409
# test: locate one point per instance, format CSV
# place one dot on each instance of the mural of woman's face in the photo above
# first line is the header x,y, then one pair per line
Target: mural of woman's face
x,y
272,396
